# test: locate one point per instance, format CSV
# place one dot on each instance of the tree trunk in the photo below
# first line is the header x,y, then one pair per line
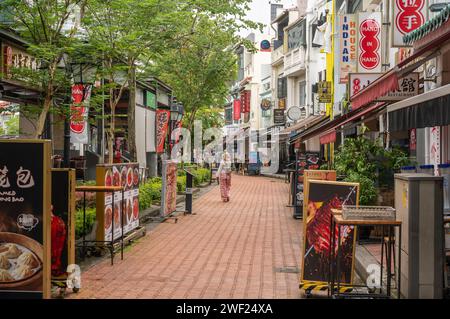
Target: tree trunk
x,y
48,101
132,117
112,128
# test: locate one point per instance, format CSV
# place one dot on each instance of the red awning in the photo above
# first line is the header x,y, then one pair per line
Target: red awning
x,y
328,138
386,83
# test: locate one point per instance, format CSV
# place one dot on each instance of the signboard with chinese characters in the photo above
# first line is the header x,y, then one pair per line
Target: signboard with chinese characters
x,y
79,112
324,90
63,221
126,175
369,49
408,85
236,110
245,101
408,15
348,35
16,58
25,206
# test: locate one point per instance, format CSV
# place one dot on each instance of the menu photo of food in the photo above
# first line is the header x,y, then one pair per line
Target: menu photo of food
x,y
322,196
20,262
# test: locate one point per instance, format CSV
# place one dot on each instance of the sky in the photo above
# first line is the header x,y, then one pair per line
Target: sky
x,y
260,12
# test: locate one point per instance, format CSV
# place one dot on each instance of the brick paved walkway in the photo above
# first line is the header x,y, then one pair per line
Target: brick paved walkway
x,y
227,250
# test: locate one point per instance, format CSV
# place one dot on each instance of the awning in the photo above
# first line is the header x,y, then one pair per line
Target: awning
x,y
328,138
425,110
303,124
312,129
383,85
326,128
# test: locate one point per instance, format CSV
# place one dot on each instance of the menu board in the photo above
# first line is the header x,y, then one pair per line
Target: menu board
x,y
323,196
306,161
126,175
25,186
62,221
169,188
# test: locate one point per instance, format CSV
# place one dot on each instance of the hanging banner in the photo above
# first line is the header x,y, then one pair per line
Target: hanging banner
x,y
236,110
162,124
408,85
348,35
245,101
408,16
369,49
25,206
79,112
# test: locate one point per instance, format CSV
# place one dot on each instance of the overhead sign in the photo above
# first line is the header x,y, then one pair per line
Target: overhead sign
x,y
278,117
348,35
324,90
14,57
408,85
408,16
369,49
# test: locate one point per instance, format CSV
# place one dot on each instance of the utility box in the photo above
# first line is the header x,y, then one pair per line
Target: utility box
x,y
419,204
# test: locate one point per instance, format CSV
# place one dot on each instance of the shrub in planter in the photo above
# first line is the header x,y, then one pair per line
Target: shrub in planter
x,y
90,220
181,183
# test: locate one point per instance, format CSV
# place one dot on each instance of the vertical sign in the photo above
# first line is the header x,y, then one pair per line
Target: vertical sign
x,y
408,16
236,110
369,50
169,188
25,190
435,147
348,46
162,124
412,140
79,113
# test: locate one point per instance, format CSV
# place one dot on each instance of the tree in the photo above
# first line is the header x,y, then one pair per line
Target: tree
x,y
126,39
50,29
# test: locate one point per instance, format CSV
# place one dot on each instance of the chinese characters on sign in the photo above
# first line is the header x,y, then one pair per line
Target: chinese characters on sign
x,y
245,101
369,58
408,85
16,58
24,178
348,43
408,16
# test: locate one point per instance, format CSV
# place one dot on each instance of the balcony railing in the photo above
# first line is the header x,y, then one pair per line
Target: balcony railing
x,y
294,60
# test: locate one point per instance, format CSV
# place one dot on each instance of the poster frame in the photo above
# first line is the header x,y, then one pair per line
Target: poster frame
x,y
46,206
355,235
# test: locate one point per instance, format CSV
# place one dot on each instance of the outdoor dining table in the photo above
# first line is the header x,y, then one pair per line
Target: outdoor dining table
x,y
107,243
337,221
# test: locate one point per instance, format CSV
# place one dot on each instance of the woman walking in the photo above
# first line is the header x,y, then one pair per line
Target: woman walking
x,y
224,175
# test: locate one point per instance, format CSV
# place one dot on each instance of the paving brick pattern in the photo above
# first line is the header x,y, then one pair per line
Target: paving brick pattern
x,y
227,250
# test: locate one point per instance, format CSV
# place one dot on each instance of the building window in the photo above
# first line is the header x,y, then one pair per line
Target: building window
x,y
282,87
302,93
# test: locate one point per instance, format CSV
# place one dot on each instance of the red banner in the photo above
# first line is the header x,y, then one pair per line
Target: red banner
x,y
79,113
245,101
236,110
162,124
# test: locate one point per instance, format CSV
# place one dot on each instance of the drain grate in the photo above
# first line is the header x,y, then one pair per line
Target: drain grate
x,y
289,270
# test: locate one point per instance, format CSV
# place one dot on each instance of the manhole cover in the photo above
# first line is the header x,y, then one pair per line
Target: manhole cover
x,y
289,269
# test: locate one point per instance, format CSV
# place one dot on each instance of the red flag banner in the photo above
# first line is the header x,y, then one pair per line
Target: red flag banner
x,y
237,110
79,110
162,124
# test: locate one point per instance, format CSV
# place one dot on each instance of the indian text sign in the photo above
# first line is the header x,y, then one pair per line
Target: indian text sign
x,y
408,16
348,46
369,49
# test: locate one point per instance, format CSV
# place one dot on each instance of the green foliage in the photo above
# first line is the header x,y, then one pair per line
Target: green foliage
x,y
12,126
366,162
90,220
181,183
